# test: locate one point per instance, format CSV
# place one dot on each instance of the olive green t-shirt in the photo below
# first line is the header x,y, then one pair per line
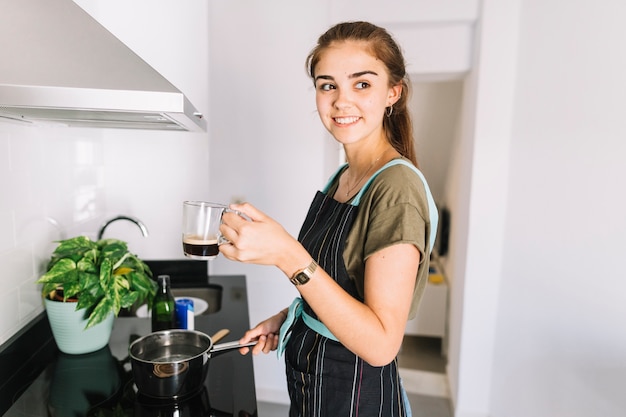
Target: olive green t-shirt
x,y
393,210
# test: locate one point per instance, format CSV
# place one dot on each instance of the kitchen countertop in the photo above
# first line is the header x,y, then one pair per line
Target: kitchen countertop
x,y
104,377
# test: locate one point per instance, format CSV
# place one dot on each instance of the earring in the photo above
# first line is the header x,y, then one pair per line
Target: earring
x,y
389,111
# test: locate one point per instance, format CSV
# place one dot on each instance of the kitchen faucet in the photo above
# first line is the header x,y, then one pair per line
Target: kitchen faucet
x,y
140,225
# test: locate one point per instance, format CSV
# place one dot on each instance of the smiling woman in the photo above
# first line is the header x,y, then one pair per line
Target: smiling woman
x,y
360,262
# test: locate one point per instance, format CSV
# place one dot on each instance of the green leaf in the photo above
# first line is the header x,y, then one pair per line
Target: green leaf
x,y
108,247
106,268
100,312
87,301
89,261
145,285
62,271
73,248
71,290
128,299
91,290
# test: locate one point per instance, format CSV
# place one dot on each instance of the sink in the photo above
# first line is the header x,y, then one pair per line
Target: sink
x,y
189,280
207,298
212,294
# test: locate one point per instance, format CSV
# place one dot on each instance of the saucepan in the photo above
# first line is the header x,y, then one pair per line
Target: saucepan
x,y
174,363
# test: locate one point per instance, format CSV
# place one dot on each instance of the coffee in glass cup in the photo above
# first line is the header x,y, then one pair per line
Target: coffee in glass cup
x,y
201,224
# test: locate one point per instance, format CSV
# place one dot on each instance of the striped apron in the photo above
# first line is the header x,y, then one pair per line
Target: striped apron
x,y
324,378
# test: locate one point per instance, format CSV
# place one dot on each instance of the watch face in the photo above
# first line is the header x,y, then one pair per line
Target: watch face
x,y
302,278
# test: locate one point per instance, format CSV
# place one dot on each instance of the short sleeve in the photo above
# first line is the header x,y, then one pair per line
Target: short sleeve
x,y
393,210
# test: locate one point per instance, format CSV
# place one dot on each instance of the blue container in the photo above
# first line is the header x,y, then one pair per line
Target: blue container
x,y
184,314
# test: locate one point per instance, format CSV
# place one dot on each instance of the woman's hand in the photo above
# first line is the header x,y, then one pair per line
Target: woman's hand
x,y
260,240
266,334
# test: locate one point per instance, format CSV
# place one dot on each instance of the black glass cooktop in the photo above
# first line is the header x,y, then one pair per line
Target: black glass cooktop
x,y
100,384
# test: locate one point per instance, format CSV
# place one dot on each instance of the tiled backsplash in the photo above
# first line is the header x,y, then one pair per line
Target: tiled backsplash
x,y
51,186
60,182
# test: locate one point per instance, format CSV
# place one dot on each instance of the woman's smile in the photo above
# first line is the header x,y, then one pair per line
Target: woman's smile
x,y
346,120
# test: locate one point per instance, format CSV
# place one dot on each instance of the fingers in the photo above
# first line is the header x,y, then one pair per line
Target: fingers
x,y
232,222
248,337
249,210
265,344
271,343
266,333
243,234
229,231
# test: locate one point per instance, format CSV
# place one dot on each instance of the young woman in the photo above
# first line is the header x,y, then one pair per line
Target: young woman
x,y
360,262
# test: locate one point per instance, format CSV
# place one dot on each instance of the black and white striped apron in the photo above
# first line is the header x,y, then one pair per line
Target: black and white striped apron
x,y
324,378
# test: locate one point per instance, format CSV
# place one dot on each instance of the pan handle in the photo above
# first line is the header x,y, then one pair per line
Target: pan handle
x,y
222,347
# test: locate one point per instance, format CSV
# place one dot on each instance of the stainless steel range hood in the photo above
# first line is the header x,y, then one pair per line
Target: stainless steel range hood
x,y
58,65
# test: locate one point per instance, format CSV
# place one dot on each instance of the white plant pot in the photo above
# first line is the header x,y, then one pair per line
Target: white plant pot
x,y
68,328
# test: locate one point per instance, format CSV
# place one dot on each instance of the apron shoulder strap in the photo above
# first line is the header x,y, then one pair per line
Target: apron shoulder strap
x,y
432,207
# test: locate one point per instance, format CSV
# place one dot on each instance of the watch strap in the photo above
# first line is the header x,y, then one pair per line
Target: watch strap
x,y
303,276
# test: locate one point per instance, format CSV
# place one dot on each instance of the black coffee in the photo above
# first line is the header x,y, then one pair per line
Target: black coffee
x,y
196,247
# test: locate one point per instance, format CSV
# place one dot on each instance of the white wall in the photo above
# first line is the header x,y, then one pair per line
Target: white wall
x,y
560,335
435,108
479,207
51,186
538,315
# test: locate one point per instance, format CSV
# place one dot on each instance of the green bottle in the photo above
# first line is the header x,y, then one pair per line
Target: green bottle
x,y
163,306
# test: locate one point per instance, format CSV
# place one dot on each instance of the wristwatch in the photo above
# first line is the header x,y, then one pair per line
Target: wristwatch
x,y
303,276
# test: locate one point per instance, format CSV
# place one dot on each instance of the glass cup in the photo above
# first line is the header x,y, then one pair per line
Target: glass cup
x,y
201,224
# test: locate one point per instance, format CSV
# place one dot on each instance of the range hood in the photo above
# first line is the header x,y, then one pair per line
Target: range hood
x,y
58,65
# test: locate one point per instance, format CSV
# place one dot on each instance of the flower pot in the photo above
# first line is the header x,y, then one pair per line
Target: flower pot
x,y
68,328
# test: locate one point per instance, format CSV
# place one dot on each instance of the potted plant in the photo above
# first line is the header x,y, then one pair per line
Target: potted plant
x,y
86,285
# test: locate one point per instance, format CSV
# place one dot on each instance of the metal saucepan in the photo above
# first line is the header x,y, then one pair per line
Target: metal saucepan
x,y
174,363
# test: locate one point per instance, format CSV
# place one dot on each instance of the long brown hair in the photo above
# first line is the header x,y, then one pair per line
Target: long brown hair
x,y
398,125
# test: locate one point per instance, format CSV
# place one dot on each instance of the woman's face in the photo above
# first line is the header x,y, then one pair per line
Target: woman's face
x,y
352,92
